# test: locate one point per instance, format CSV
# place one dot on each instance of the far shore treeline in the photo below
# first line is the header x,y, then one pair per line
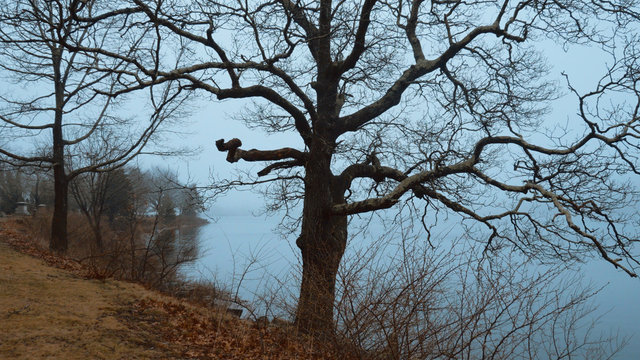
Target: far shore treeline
x,y
112,194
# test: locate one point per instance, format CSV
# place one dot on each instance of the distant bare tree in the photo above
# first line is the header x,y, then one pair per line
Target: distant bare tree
x,y
431,107
169,194
12,188
57,103
41,188
102,194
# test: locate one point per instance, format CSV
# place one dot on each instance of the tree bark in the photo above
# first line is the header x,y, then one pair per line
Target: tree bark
x,y
322,249
322,242
58,242
97,233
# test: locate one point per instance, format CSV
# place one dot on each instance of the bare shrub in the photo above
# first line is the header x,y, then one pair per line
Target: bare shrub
x,y
408,300
141,249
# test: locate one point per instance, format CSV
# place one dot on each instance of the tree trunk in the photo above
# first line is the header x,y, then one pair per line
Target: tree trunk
x,y
322,249
322,243
58,242
97,233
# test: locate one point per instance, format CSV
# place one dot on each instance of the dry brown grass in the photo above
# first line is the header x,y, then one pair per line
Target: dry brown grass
x,y
51,313
59,313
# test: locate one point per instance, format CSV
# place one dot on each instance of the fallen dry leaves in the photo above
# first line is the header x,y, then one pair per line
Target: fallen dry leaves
x,y
216,335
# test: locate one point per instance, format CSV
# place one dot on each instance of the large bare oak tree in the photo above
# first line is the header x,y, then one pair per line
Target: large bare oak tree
x,y
428,106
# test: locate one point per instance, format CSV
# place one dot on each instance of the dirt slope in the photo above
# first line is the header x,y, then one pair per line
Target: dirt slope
x,y
49,309
51,313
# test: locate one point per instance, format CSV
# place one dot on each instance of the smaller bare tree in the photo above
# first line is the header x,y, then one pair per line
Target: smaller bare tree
x,y
68,97
99,195
12,187
164,250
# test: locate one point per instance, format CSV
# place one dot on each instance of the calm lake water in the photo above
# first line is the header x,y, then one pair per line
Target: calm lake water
x,y
246,255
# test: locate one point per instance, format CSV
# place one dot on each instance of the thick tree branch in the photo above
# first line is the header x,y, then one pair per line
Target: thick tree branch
x,y
234,153
410,30
280,165
159,77
491,140
376,173
406,184
26,127
300,18
467,166
28,159
300,121
93,19
360,38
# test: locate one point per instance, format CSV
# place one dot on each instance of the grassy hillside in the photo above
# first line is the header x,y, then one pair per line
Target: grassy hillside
x,y
49,308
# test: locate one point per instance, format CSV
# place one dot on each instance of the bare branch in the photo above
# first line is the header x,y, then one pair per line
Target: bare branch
x,y
280,165
234,153
359,43
393,95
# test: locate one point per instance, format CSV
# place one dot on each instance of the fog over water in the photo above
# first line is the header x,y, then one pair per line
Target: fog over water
x,y
237,245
